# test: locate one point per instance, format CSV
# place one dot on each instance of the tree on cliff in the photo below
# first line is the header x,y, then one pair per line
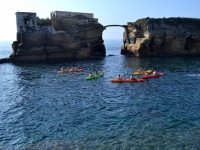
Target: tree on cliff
x,y
43,22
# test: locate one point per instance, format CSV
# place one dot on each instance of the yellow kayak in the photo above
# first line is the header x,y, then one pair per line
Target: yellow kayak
x,y
142,72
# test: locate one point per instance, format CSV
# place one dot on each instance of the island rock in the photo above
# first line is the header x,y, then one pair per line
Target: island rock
x,y
69,35
162,37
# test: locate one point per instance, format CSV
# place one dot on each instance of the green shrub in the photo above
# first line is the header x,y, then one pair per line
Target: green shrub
x,y
43,22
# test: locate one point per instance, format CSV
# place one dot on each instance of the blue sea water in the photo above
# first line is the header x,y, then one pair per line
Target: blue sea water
x,y
42,109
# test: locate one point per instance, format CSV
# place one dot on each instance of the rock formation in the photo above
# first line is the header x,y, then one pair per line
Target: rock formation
x,y
162,37
66,38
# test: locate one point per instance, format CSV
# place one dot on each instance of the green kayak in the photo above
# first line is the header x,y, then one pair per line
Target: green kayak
x,y
94,76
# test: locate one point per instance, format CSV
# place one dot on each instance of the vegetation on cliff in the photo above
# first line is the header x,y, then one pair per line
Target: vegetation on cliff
x,y
43,22
62,23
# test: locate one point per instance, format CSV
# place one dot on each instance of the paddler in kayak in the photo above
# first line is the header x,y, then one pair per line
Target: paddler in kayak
x,y
96,73
62,69
154,73
119,77
133,78
67,69
90,75
146,73
139,70
78,67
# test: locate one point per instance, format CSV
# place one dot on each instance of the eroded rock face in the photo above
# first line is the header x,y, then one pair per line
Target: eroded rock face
x,y
65,39
163,37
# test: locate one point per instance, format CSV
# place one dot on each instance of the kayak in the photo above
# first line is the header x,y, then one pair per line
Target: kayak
x,y
153,76
142,72
67,71
75,70
124,80
94,76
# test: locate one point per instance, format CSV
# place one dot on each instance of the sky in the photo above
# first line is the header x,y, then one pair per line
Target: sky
x,y
108,12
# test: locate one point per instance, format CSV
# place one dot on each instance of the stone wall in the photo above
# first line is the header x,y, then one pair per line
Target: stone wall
x,y
163,37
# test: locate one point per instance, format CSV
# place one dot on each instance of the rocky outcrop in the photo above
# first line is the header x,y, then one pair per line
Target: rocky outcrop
x,y
162,37
65,39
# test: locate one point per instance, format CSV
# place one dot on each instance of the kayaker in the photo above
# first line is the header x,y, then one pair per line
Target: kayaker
x,y
154,73
90,75
78,67
62,69
119,77
132,78
67,69
139,70
96,73
146,73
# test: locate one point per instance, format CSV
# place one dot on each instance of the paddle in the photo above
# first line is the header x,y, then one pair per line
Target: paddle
x,y
93,75
135,79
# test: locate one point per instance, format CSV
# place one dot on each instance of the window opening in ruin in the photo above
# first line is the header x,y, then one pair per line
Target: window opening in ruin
x,y
26,21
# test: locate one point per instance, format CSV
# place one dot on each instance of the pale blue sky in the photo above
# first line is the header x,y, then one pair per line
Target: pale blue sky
x,y
107,11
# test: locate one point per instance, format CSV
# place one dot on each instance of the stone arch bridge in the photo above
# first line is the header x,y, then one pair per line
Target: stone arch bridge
x,y
100,49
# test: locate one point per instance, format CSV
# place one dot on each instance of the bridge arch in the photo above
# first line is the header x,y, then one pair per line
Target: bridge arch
x,y
126,30
116,25
99,49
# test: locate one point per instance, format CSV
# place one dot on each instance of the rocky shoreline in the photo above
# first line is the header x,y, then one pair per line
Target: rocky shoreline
x,y
66,38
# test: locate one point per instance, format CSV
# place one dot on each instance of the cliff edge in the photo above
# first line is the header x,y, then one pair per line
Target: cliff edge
x,y
67,35
162,37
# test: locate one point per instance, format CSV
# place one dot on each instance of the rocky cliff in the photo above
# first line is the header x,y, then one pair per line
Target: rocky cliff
x,y
65,39
162,37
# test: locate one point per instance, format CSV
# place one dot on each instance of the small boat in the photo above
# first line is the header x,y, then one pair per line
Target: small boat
x,y
124,80
152,76
142,72
70,70
95,76
74,70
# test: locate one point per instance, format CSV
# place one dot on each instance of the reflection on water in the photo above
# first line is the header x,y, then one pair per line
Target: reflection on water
x,y
41,109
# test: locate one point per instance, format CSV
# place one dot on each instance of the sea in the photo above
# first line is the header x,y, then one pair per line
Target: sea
x,y
42,109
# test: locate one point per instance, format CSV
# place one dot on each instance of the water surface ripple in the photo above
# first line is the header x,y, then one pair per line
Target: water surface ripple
x,y
41,109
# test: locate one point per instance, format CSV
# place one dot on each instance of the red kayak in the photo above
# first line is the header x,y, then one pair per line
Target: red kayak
x,y
153,76
124,80
75,70
71,70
